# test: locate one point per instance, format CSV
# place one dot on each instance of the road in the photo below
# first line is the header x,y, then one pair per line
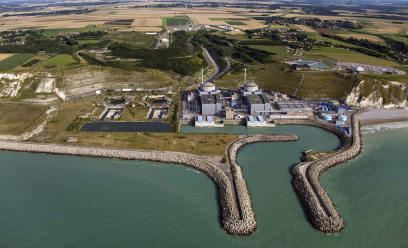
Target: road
x,y
212,77
83,60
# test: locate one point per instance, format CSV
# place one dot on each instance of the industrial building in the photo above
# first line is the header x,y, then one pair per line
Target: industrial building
x,y
258,104
290,106
259,121
337,106
208,100
211,104
206,121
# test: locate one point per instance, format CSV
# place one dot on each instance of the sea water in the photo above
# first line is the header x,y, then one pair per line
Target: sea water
x,y
66,201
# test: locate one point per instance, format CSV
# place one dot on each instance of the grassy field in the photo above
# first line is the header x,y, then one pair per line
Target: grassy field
x,y
318,37
80,42
59,60
174,21
351,56
329,84
134,114
18,118
219,19
142,40
15,60
266,79
402,32
235,23
237,37
48,33
199,144
133,38
279,50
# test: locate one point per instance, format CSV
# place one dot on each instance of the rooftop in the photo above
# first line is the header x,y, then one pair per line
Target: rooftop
x,y
258,99
210,99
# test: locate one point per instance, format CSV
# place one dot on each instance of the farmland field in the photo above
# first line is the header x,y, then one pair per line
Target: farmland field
x,y
80,42
5,55
219,19
363,36
351,56
15,60
235,23
60,60
279,50
174,21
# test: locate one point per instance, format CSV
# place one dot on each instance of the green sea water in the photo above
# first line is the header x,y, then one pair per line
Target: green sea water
x,y
65,201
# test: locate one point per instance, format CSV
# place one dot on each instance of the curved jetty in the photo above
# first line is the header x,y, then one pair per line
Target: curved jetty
x,y
318,206
244,222
236,220
237,215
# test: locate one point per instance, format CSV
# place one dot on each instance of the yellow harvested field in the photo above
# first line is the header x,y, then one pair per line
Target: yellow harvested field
x,y
235,32
141,29
307,29
317,16
362,36
140,21
205,19
72,24
5,55
399,26
384,28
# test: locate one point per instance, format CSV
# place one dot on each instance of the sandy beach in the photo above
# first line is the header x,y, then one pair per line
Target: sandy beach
x,y
379,116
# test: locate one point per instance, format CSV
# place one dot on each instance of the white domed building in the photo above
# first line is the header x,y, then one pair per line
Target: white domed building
x,y
251,87
207,87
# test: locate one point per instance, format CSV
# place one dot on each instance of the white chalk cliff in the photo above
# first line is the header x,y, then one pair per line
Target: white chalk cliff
x,y
375,98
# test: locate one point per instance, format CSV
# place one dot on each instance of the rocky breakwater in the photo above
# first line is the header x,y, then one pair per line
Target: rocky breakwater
x,y
246,223
318,206
228,208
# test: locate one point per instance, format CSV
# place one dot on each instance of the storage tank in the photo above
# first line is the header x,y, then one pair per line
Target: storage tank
x,y
343,117
327,117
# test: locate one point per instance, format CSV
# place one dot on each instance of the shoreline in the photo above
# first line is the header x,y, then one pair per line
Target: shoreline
x,y
381,116
237,215
373,122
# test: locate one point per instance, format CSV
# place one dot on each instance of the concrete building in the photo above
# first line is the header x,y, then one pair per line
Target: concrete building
x,y
259,121
206,121
337,106
290,106
229,113
258,104
211,104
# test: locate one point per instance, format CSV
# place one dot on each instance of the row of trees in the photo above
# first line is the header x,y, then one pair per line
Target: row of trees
x,y
58,12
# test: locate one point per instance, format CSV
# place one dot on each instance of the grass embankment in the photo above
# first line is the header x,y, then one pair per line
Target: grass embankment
x,y
60,60
18,118
67,113
327,85
285,82
15,60
199,144
313,156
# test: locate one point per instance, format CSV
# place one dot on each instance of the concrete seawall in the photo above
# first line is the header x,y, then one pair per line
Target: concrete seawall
x,y
315,200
